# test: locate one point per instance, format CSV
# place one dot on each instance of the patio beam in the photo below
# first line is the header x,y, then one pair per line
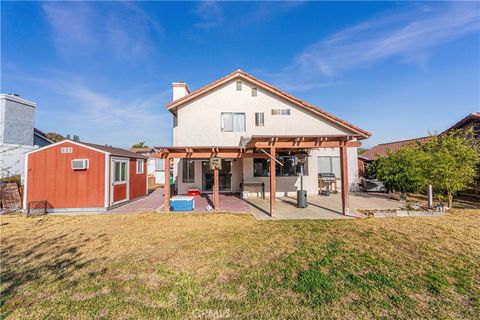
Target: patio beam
x,y
273,182
208,155
306,144
167,184
344,180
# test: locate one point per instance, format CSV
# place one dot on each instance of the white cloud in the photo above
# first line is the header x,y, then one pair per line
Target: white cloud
x,y
113,119
81,28
411,35
210,13
102,117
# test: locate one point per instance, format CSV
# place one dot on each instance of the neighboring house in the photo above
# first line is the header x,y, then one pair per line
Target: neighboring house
x,y
40,138
79,176
470,121
244,120
155,166
382,149
18,134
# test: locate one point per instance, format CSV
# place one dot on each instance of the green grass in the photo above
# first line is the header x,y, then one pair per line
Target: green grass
x,y
231,266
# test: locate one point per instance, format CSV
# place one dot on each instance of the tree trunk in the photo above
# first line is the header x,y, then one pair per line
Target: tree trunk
x,y
450,200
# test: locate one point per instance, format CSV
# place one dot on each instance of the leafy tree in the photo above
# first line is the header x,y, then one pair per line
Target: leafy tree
x,y
68,137
371,170
404,170
140,144
453,161
361,150
76,138
55,137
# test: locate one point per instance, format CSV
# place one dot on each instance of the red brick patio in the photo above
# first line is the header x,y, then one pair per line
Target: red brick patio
x,y
155,202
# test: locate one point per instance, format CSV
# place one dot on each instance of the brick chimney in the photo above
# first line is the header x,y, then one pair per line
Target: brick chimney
x,y
180,89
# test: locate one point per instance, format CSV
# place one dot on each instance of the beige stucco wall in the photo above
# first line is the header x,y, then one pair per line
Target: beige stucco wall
x,y
199,121
199,124
290,185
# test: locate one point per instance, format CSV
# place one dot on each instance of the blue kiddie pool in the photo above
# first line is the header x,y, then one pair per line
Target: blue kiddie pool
x,y
182,203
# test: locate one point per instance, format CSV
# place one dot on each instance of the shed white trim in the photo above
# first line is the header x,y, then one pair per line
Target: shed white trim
x,y
65,141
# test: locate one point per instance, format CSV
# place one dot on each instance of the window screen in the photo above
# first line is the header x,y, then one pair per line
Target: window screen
x,y
233,122
140,165
329,165
120,171
188,171
259,119
239,85
280,112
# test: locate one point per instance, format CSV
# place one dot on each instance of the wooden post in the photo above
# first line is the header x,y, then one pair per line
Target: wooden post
x,y
167,184
344,182
273,183
216,189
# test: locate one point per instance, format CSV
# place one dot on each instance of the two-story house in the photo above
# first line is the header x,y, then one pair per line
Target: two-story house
x,y
256,129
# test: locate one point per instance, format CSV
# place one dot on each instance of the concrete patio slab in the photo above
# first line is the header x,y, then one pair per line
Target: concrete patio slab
x,y
320,207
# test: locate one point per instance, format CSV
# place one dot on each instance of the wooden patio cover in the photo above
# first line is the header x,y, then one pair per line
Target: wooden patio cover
x,y
261,147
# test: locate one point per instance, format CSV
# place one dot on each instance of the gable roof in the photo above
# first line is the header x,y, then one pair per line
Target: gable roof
x,y
97,147
362,134
41,134
460,124
381,150
143,150
114,151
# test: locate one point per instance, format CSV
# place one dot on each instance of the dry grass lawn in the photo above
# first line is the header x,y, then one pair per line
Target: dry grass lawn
x,y
222,265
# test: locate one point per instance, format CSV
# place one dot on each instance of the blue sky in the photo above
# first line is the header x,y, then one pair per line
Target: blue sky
x,y
103,70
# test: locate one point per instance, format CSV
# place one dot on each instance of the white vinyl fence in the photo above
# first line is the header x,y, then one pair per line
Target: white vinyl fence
x,y
12,159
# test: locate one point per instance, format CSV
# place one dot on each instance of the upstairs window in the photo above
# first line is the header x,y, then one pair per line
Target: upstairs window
x,y
175,120
259,119
280,112
254,92
233,122
239,85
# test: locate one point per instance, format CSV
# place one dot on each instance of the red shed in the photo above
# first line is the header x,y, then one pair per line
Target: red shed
x,y
80,176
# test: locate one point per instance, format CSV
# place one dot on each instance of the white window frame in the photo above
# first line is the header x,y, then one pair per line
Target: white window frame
x,y
142,171
281,112
239,85
85,160
188,179
121,162
332,160
233,120
66,150
259,119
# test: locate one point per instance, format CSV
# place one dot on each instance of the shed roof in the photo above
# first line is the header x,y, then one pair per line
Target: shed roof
x,y
98,147
113,150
